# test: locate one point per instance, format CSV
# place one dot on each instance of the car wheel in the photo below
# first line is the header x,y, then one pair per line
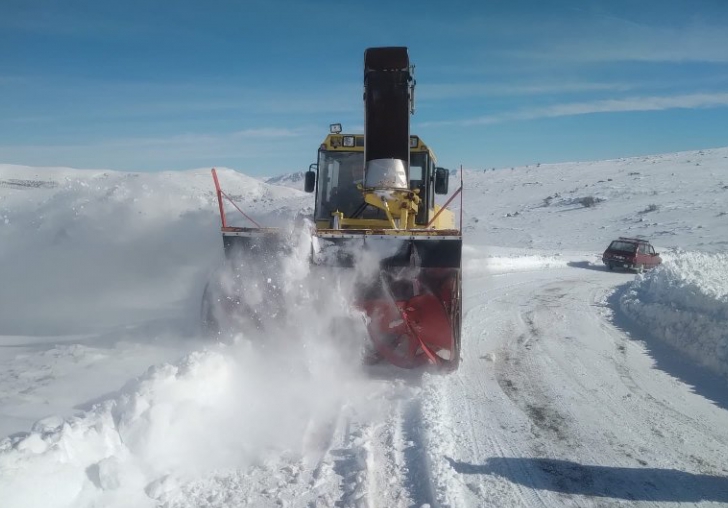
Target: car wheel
x,y
610,266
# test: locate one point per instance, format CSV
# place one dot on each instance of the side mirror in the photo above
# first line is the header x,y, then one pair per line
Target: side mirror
x,y
442,177
310,182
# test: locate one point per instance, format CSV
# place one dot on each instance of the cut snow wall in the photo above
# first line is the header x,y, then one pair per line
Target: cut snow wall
x,y
685,302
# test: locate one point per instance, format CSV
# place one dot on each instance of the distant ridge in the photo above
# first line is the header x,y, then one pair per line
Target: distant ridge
x,y
293,180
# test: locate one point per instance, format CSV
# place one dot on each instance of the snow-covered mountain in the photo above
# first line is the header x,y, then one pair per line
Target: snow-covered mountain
x,y
678,200
292,180
578,387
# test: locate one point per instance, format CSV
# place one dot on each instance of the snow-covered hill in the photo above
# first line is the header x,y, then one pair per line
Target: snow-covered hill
x,y
292,180
677,200
574,388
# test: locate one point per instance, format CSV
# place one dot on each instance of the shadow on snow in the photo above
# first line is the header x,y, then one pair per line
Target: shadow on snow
x,y
636,484
669,359
589,265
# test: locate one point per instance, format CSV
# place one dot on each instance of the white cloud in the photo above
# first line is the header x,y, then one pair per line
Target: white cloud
x,y
270,133
614,39
11,80
450,90
249,144
689,101
211,141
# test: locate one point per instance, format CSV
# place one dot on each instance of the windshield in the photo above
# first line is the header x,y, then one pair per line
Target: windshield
x,y
623,246
419,173
340,172
338,176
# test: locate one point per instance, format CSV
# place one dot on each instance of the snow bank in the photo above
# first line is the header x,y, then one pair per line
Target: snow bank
x,y
685,302
125,441
230,408
507,264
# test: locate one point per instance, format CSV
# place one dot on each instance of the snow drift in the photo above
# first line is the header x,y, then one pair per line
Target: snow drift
x,y
685,302
177,422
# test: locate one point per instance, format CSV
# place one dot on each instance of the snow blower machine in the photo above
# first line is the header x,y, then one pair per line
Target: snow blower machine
x,y
376,215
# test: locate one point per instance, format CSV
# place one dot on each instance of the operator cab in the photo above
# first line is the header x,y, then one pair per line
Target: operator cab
x,y
340,171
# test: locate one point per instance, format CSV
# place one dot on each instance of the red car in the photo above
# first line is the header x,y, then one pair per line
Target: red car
x,y
632,253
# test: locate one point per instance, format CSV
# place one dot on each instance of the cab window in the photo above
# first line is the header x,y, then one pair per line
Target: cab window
x,y
338,176
420,172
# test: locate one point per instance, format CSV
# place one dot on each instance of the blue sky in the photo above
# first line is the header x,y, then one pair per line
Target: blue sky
x,y
253,85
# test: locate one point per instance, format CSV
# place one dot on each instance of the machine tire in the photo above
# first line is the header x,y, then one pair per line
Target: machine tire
x,y
457,318
209,324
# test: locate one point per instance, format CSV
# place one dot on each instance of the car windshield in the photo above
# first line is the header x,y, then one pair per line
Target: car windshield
x,y
623,246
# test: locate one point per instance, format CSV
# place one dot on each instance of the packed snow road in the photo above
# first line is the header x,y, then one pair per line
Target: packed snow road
x,y
554,405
